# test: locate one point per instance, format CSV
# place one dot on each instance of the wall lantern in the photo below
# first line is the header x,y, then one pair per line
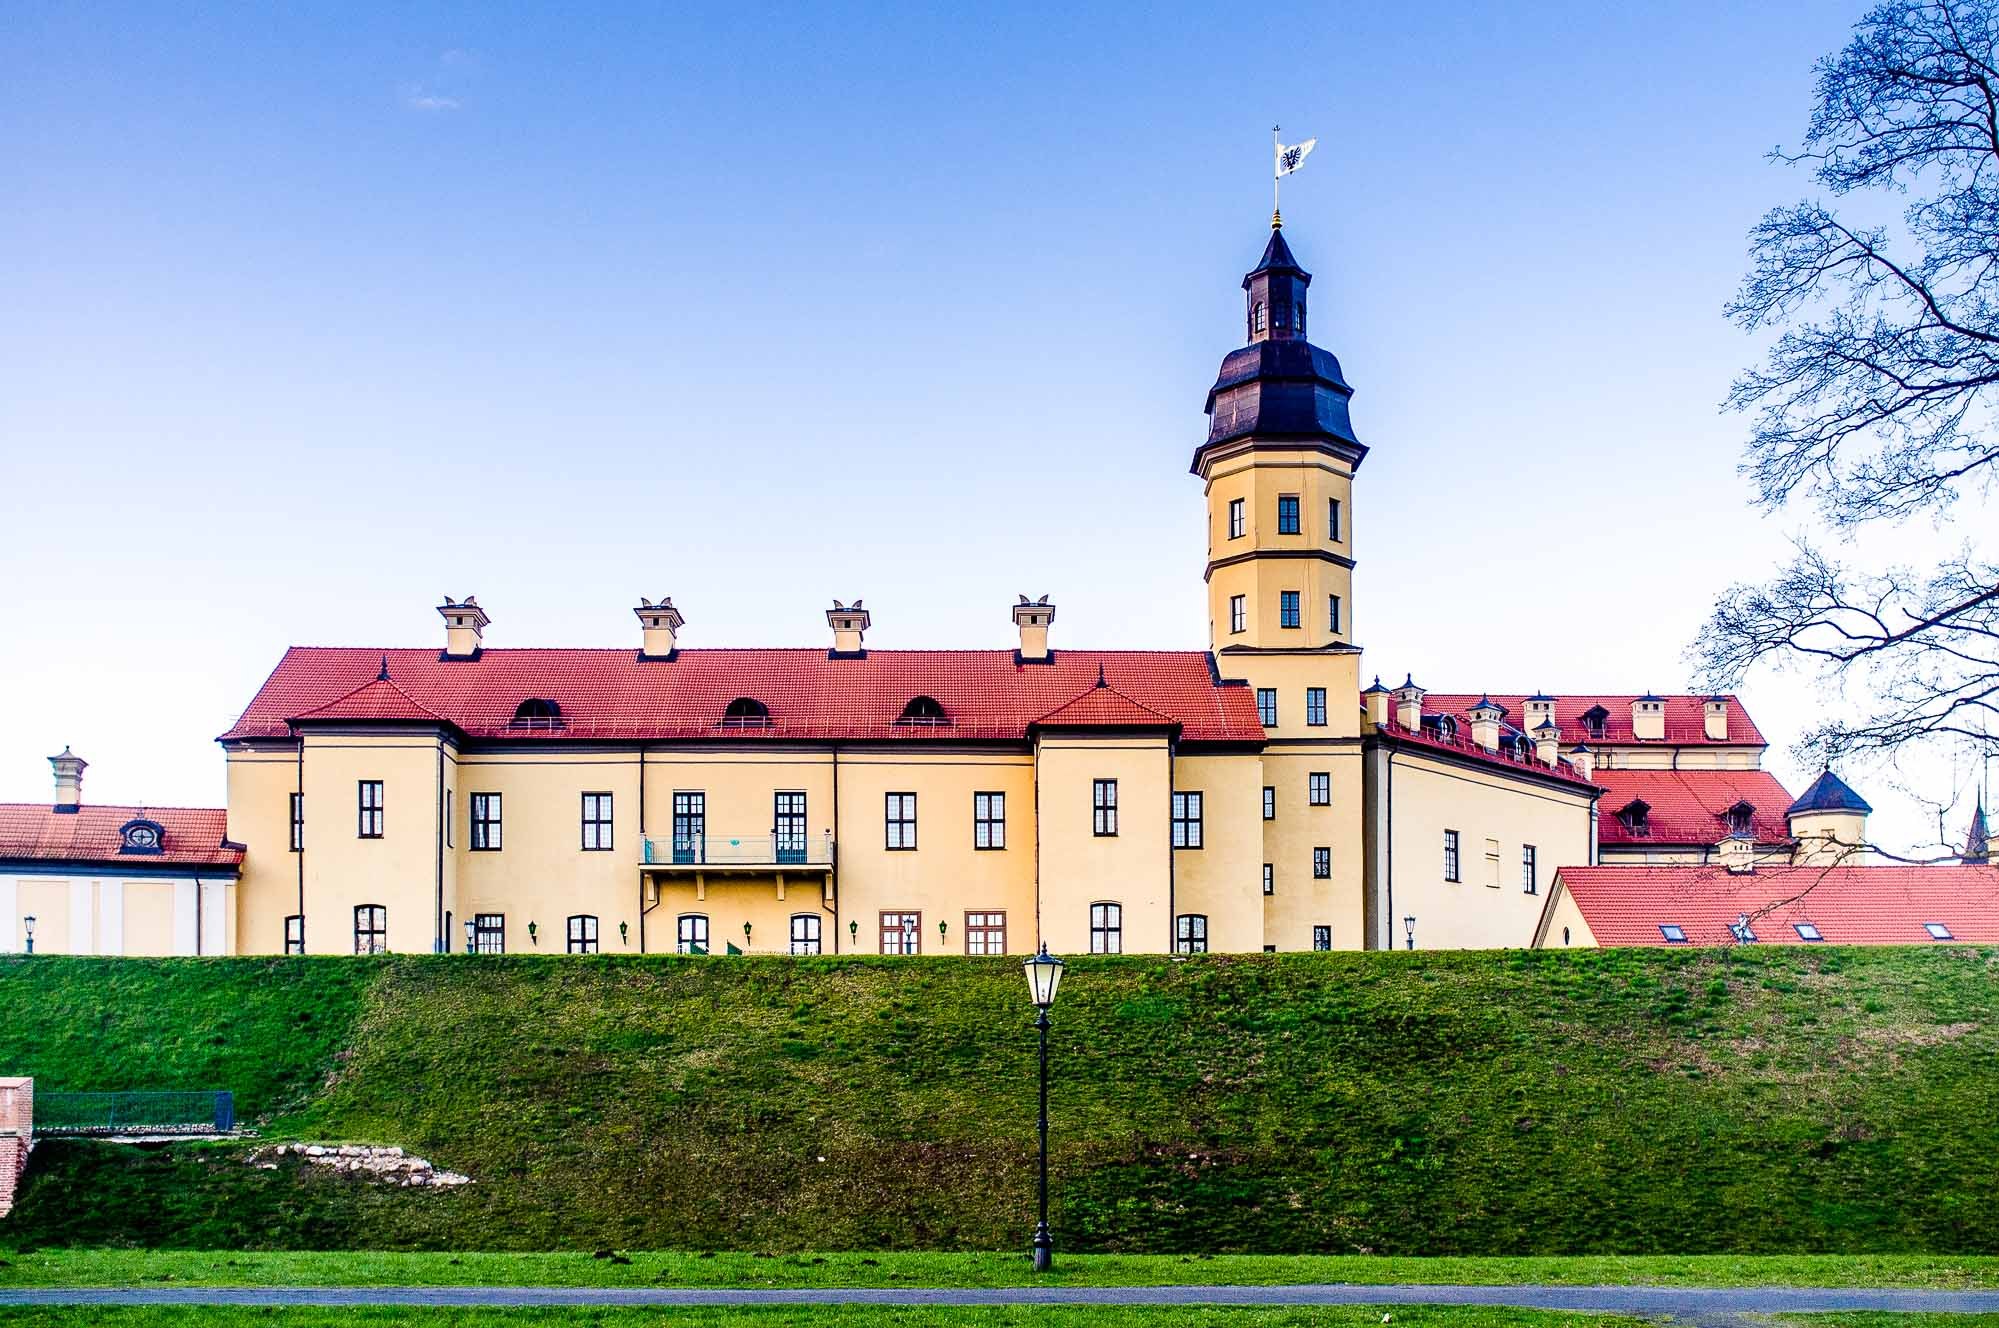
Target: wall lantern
x,y
28,925
534,937
471,937
1409,930
625,932
942,927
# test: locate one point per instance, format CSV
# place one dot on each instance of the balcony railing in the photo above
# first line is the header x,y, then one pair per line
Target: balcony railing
x,y
739,851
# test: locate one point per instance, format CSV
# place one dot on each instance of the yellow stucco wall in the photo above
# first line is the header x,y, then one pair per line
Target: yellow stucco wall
x,y
1079,867
1563,926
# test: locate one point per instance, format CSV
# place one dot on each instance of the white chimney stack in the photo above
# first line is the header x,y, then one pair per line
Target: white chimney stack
x,y
1648,718
69,780
1409,705
657,623
1485,717
1547,743
464,624
1032,617
1716,712
1374,703
848,623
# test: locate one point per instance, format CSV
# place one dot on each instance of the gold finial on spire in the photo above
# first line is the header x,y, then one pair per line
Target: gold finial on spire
x,y
1276,220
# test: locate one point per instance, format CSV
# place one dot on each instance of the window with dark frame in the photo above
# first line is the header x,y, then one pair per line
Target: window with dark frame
x,y
1319,788
1450,855
900,816
1269,879
805,933
1190,933
988,820
1530,879
1333,520
596,822
1287,609
985,932
1808,931
295,934
1106,928
787,826
1743,932
1287,513
1673,932
489,933
691,934
371,929
298,822
1266,707
1333,613
582,933
1186,819
901,933
1322,864
370,804
1315,707
1322,936
1103,807
485,823
450,818
1238,613
1235,518
1938,931
1269,803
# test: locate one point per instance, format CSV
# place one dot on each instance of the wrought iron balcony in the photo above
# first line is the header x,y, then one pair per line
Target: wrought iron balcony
x,y
739,852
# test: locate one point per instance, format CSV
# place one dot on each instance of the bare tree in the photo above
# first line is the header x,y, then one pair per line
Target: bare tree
x,y
1876,398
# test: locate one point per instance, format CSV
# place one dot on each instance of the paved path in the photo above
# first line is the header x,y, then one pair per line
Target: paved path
x,y
1684,1302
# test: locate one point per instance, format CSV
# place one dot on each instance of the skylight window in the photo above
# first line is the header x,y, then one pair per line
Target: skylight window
x,y
1937,931
1674,933
1807,931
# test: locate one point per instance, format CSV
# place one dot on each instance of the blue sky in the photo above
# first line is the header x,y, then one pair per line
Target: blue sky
x,y
310,315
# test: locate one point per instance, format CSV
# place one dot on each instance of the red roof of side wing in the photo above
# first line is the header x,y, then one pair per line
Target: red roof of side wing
x,y
189,836
1687,806
1848,905
1686,717
986,695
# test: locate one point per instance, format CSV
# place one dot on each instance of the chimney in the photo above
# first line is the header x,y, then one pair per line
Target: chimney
x,y
1716,711
1584,760
1409,705
464,621
658,622
1032,618
848,623
1648,718
1374,703
1485,717
69,780
1547,743
1537,710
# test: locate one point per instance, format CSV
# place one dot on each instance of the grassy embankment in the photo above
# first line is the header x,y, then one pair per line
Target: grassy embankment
x,y
1765,1100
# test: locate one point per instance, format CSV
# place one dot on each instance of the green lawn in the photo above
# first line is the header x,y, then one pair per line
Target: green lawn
x,y
110,1268
1762,1100
843,1316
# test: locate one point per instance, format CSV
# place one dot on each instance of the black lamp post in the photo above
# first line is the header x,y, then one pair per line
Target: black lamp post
x,y
28,925
1044,975
471,932
1409,930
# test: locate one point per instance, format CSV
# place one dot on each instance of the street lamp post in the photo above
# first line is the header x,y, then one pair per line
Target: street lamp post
x,y
1409,930
28,925
1044,976
471,934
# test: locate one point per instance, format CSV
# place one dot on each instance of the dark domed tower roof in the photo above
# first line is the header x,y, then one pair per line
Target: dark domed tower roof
x,y
1829,793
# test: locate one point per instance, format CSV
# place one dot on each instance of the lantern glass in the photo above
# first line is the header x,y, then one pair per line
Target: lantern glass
x,y
1044,976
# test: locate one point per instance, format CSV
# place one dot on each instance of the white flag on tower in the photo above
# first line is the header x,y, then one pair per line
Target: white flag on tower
x,y
1291,158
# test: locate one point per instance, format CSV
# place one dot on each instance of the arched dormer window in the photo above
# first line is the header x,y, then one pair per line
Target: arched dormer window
x,y
746,712
1447,727
537,713
1593,721
923,710
141,836
1636,818
1741,818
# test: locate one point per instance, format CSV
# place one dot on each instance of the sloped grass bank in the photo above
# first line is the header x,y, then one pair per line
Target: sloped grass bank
x,y
1780,1099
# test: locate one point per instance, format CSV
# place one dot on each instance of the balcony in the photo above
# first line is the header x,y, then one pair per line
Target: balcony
x,y
738,853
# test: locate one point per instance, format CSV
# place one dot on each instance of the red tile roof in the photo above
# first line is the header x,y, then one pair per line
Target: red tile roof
x,y
190,836
1463,746
612,694
1686,721
1686,806
379,698
1104,707
1885,905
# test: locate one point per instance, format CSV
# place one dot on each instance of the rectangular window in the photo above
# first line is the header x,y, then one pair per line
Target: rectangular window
x,y
1808,931
1319,789
371,929
1107,929
1333,613
1937,930
295,934
596,822
1529,872
1492,863
1269,879
901,821
690,826
485,823
1322,864
489,933
1103,807
787,826
582,933
1673,932
298,822
1333,520
450,816
1743,932
1266,707
805,933
371,809
1238,613
1287,608
1287,514
1190,933
989,820
985,933
901,933
1450,855
691,934
1315,706
1322,936
1186,820
1235,518
1269,803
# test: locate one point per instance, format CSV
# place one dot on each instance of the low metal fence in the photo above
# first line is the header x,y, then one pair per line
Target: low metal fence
x,y
135,1113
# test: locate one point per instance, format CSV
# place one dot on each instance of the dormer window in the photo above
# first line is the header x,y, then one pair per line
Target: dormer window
x,y
746,712
1636,818
1594,719
1447,728
141,836
537,713
1741,819
923,710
